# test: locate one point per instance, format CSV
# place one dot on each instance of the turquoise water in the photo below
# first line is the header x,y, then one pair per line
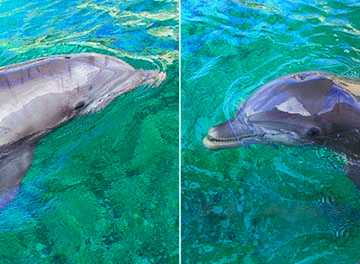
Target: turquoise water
x,y
263,204
104,187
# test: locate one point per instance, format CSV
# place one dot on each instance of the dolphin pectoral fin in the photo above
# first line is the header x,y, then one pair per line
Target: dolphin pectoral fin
x,y
13,167
353,172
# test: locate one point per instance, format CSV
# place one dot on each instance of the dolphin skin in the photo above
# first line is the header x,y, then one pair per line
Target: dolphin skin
x,y
307,108
40,95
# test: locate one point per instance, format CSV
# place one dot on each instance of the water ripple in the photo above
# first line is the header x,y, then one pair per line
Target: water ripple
x,y
116,29
99,178
267,196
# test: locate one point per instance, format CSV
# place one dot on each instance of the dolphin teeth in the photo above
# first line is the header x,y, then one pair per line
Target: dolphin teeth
x,y
222,140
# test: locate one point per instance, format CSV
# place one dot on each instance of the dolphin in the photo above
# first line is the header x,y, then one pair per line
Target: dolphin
x,y
37,96
307,108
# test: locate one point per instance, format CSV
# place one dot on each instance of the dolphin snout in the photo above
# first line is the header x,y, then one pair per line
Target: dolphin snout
x,y
225,135
154,78
222,131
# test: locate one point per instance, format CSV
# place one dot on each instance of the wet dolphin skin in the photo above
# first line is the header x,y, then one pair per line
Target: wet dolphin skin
x,y
318,108
40,95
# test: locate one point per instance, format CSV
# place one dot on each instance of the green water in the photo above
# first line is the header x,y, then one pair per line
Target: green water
x,y
263,204
104,187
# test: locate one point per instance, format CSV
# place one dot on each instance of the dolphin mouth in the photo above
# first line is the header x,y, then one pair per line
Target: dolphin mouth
x,y
212,143
154,78
223,136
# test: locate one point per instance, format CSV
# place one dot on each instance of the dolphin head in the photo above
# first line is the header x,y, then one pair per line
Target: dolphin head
x,y
99,79
303,108
41,94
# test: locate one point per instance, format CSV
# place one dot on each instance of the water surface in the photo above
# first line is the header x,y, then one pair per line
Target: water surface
x,y
104,187
263,204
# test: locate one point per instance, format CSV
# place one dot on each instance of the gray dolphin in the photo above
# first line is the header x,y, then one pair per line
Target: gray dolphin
x,y
40,95
316,107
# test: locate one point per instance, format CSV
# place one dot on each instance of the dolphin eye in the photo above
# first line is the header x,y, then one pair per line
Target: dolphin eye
x,y
79,105
313,132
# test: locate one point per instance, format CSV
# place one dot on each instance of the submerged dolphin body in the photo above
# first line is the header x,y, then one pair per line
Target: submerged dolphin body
x,y
40,95
318,108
